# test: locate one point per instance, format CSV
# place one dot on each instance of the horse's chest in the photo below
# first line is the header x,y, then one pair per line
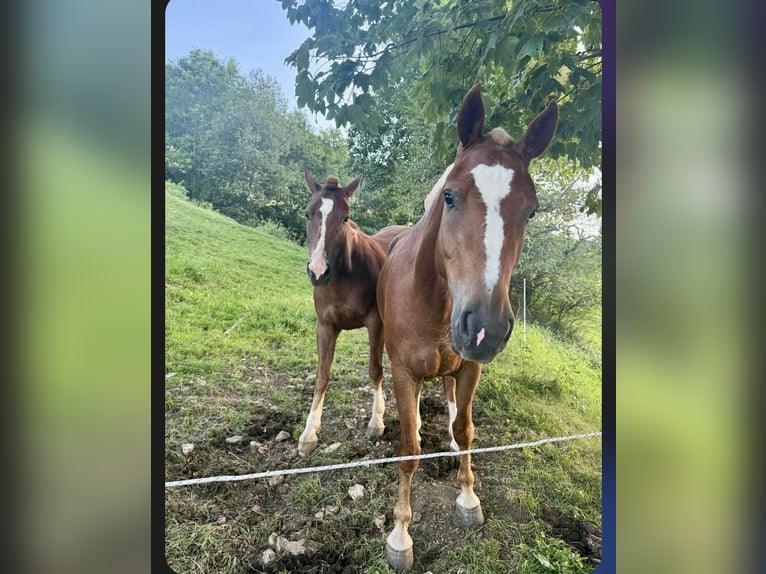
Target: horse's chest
x,y
345,312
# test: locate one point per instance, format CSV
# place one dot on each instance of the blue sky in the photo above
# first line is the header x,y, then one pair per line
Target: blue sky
x,y
256,33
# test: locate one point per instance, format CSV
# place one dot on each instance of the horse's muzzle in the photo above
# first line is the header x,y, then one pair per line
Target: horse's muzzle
x,y
322,279
476,338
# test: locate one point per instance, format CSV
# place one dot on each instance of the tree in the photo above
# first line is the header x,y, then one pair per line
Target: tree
x,y
561,258
524,52
231,141
395,161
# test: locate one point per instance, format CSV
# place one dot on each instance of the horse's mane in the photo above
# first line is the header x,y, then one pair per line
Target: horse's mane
x,y
361,248
432,195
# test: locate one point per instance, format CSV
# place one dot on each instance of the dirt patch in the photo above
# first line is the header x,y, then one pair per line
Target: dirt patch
x,y
583,535
323,562
339,534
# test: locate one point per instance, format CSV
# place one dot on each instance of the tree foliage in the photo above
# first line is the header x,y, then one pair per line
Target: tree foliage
x,y
395,160
561,259
523,52
230,140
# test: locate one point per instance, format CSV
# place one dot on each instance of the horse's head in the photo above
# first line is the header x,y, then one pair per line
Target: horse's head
x,y
327,215
487,199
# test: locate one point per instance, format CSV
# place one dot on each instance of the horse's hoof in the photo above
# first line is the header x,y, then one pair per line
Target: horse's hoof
x,y
400,560
374,432
305,448
469,517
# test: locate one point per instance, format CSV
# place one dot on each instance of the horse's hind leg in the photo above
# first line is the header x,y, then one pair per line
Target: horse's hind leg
x,y
327,335
449,391
467,508
375,334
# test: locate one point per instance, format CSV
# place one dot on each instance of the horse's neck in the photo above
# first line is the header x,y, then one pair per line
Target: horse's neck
x,y
358,249
431,283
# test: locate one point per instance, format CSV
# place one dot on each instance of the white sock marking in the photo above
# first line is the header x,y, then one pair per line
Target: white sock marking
x,y
399,539
419,421
467,498
313,423
452,407
317,264
378,408
494,184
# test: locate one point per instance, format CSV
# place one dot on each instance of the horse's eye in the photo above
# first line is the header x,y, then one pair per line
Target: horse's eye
x,y
448,199
531,215
345,219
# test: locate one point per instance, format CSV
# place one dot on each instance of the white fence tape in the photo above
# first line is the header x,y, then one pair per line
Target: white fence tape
x,y
370,462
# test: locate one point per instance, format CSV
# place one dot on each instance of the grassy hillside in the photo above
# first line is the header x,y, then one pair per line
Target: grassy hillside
x,y
240,360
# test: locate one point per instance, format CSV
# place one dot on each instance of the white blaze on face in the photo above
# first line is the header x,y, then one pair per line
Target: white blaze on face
x,y
494,183
317,263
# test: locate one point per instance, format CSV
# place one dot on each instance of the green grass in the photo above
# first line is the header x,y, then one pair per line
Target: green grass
x,y
239,338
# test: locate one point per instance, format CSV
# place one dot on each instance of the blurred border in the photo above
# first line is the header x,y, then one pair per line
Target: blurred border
x,y
608,170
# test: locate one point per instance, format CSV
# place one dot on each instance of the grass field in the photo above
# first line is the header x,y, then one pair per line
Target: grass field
x,y
240,358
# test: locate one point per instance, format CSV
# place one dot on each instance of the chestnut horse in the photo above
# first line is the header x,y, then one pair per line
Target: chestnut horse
x,y
344,264
443,291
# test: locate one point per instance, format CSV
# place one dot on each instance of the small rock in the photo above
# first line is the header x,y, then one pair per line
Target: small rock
x,y
263,448
319,515
257,509
282,436
295,548
187,448
234,439
275,480
169,376
281,543
350,424
380,522
416,517
356,492
221,521
332,448
267,556
332,509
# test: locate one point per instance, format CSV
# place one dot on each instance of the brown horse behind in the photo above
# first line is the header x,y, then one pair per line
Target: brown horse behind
x,y
344,264
443,291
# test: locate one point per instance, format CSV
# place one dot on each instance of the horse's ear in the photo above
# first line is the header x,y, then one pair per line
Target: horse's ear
x,y
311,183
540,132
349,190
470,120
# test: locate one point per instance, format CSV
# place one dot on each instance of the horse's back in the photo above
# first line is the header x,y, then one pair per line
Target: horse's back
x,y
386,236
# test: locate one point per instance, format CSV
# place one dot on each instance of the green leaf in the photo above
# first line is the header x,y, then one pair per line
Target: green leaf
x,y
533,46
355,113
300,58
542,560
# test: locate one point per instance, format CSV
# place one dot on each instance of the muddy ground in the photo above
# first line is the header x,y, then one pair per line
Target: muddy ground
x,y
338,534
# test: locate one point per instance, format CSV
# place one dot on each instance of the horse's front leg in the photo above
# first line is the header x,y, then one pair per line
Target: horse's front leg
x,y
375,335
399,543
327,335
467,508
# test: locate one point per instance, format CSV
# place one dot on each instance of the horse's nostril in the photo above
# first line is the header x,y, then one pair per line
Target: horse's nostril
x,y
470,326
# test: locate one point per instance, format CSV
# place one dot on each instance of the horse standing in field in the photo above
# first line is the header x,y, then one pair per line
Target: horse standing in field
x,y
343,266
443,291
